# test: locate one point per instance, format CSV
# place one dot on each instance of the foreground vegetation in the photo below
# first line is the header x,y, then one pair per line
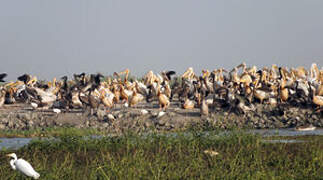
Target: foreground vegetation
x,y
169,156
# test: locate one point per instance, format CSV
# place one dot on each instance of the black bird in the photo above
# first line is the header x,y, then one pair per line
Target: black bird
x,y
2,75
89,101
80,79
65,92
79,75
65,85
96,80
169,74
25,78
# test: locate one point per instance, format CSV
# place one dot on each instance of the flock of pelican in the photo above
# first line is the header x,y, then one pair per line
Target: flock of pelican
x,y
237,90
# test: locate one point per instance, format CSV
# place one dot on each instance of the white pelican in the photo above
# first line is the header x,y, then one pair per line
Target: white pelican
x,y
163,99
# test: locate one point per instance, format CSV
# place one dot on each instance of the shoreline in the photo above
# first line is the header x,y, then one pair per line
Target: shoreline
x,y
119,120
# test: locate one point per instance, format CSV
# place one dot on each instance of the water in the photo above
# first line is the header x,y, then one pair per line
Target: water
x,y
16,143
286,132
283,141
13,143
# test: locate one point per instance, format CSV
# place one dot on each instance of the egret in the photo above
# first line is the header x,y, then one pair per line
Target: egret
x,y
22,166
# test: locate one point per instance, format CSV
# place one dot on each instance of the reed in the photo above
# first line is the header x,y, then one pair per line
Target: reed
x,y
170,156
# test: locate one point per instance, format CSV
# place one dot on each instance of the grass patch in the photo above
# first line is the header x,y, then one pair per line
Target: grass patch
x,y
169,156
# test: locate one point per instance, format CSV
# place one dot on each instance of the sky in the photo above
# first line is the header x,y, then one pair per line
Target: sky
x,y
56,38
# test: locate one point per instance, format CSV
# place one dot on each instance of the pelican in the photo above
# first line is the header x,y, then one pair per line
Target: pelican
x,y
261,94
318,100
320,90
141,88
273,72
9,98
188,104
167,75
301,72
283,91
126,72
107,98
2,97
76,102
149,78
125,94
167,91
188,74
116,93
315,73
163,99
22,166
234,77
302,87
135,99
46,98
204,109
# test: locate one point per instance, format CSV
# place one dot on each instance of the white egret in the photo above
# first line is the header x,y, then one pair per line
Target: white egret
x,y
22,166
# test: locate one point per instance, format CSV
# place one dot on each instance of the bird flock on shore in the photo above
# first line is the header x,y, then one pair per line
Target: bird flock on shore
x,y
236,90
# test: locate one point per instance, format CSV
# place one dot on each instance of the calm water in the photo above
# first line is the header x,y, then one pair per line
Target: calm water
x,y
15,143
286,132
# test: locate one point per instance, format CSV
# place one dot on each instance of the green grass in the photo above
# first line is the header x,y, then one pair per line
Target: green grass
x,y
169,156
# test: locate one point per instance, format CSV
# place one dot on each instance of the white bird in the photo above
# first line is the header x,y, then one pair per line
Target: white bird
x,y
34,105
22,166
161,113
57,111
111,117
144,112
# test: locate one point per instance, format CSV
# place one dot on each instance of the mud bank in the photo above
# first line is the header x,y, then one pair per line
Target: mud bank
x,y
120,119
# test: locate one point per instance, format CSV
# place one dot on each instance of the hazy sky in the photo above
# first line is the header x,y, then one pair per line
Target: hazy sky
x,y
60,37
